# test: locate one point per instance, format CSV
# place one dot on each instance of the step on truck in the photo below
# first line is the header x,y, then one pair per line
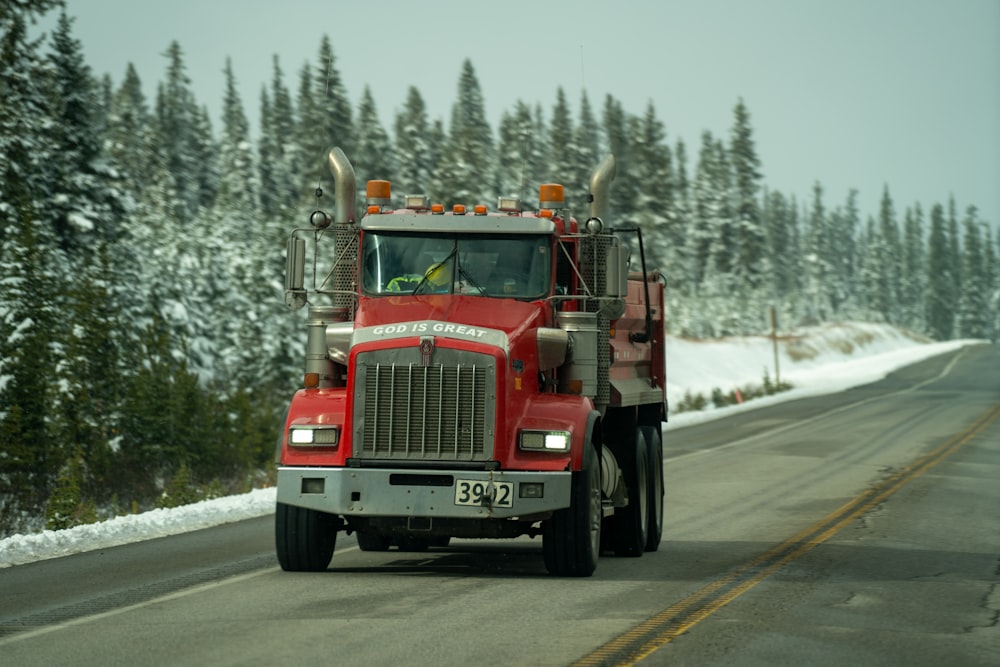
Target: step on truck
x,y
472,373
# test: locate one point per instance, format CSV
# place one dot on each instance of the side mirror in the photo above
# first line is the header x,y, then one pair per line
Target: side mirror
x,y
617,271
295,262
616,281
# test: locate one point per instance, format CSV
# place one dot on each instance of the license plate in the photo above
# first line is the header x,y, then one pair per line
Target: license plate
x,y
471,492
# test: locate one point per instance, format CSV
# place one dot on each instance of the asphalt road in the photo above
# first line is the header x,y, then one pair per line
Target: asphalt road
x,y
861,528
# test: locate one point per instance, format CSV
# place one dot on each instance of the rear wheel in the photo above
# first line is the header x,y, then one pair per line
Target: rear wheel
x,y
304,539
631,523
571,539
654,449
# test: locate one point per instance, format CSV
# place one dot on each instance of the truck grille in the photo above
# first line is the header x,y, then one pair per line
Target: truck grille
x,y
441,412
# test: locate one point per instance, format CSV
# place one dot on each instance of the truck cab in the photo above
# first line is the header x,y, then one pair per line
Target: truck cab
x,y
471,374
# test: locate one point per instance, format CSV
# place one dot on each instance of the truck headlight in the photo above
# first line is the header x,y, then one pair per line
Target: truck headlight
x,y
314,436
544,441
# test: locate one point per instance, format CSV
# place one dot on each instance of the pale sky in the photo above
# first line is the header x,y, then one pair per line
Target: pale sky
x,y
852,93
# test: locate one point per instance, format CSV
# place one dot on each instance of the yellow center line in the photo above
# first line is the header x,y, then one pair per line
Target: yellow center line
x,y
659,630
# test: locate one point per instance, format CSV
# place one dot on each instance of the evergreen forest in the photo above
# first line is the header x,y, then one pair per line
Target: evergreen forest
x,y
146,355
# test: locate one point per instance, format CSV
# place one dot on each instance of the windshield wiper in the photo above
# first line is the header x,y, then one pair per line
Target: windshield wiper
x,y
470,280
435,267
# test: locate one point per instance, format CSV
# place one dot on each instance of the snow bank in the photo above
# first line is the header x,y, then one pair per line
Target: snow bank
x,y
19,549
816,361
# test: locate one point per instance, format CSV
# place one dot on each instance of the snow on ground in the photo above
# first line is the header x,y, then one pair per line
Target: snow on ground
x,y
816,361
819,360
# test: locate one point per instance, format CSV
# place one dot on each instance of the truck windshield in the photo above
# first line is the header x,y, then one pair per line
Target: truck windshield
x,y
511,266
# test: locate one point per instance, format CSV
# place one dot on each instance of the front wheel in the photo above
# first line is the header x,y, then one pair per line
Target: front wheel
x,y
571,539
304,539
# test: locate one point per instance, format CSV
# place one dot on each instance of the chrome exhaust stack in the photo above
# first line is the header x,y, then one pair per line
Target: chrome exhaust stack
x,y
600,182
346,186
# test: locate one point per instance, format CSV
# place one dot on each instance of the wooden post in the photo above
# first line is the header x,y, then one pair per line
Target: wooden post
x,y
774,341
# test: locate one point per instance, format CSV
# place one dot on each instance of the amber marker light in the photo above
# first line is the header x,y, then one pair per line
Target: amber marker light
x,y
311,380
550,195
379,190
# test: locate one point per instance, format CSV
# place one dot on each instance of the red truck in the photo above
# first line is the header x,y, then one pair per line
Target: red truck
x,y
472,373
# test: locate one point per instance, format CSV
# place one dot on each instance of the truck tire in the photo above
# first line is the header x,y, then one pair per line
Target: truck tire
x,y
571,539
631,524
304,539
654,448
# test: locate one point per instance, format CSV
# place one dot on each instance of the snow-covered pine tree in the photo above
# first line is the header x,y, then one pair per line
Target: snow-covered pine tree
x,y
333,105
238,182
520,165
584,158
438,140
325,120
83,204
954,249
772,212
724,237
129,146
940,282
414,164
173,226
559,145
705,209
467,169
279,189
913,280
177,138
541,149
683,219
710,242
30,457
991,260
374,158
663,231
887,297
872,255
92,365
816,246
842,235
780,221
234,274
87,205
974,301
624,190
750,258
279,153
128,136
206,152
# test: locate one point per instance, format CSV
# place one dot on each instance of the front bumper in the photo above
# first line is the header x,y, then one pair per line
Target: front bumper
x,y
398,492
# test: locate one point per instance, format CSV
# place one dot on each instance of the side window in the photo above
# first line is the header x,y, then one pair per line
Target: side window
x,y
539,270
565,276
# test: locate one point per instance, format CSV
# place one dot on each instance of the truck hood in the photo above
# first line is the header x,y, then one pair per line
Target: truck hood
x,y
427,315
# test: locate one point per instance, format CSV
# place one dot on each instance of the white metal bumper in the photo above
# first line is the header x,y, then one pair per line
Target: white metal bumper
x,y
398,492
